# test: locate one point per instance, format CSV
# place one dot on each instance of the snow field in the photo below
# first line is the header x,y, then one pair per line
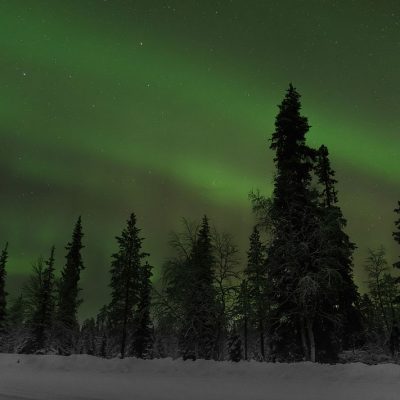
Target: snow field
x,y
88,378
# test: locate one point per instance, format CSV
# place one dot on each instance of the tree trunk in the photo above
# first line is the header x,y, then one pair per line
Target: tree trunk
x,y
311,339
383,311
245,338
262,349
304,344
123,337
125,322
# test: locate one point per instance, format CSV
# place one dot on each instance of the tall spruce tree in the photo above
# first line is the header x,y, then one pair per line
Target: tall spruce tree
x,y
125,282
292,219
3,293
197,339
338,253
308,256
205,319
396,233
68,293
256,278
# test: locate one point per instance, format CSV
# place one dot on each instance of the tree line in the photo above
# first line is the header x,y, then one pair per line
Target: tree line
x,y
295,299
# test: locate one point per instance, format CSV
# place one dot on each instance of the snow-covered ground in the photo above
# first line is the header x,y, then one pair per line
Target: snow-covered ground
x,y
89,378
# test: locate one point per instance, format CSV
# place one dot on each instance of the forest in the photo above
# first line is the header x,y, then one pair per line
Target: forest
x,y
293,299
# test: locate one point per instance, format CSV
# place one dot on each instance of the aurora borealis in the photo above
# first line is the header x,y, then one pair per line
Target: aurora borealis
x,y
165,108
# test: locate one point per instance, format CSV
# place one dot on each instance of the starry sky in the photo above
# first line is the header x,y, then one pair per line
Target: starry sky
x,y
165,108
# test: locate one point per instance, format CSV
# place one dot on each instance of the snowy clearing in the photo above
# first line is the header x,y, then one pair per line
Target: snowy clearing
x,y
88,378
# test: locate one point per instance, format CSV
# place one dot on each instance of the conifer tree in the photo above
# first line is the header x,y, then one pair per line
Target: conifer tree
x,y
326,177
42,299
32,291
292,214
338,253
396,234
143,332
203,261
16,312
384,293
197,339
243,312
125,282
372,330
3,293
308,255
17,332
256,278
68,293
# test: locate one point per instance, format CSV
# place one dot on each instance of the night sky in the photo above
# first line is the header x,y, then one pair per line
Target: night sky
x,y
165,108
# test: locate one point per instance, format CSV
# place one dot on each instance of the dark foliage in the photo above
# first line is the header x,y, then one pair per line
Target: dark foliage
x,y
142,325
67,327
129,289
3,293
256,279
396,233
235,348
197,335
40,296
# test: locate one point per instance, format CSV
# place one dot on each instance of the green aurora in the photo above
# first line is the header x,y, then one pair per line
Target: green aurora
x,y
165,108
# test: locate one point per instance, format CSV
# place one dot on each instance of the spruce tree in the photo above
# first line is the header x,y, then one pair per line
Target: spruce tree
x,y
143,332
256,278
39,296
292,215
103,331
338,253
326,177
42,298
308,256
125,282
198,337
203,261
243,312
384,294
17,332
293,158
3,293
396,234
17,312
68,293
32,291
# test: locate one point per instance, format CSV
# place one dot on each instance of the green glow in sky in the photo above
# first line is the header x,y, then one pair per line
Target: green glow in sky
x,y
166,108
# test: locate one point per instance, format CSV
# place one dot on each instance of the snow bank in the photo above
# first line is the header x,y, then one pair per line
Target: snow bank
x,y
85,377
